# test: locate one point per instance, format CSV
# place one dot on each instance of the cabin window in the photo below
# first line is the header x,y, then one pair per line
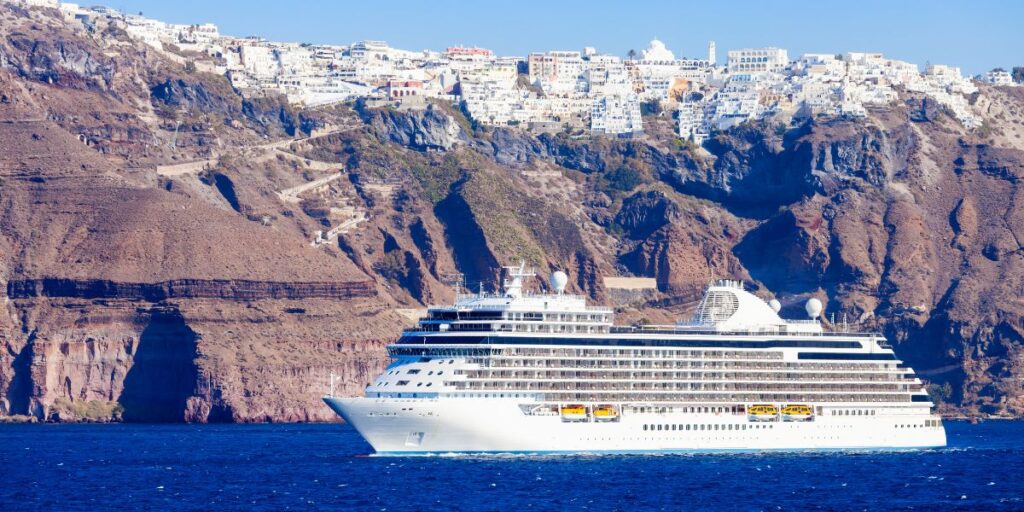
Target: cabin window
x,y
403,382
412,372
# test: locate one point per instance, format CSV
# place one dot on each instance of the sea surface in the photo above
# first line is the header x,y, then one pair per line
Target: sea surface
x,y
311,467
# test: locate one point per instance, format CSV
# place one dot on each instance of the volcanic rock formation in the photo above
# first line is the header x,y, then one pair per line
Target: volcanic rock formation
x,y
172,251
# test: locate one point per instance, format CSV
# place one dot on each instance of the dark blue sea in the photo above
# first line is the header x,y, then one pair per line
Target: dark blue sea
x,y
312,467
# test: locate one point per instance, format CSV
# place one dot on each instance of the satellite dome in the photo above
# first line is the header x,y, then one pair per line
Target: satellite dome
x,y
813,308
559,280
775,304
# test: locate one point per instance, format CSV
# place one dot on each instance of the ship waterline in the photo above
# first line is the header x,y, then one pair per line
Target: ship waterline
x,y
513,372
405,426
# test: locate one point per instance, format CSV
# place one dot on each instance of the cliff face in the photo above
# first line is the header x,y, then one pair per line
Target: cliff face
x,y
156,229
130,295
878,217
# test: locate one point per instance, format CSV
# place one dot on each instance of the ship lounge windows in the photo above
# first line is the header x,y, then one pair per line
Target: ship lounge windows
x,y
403,383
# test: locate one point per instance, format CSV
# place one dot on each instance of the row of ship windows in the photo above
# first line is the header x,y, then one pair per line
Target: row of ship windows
x,y
546,328
541,387
735,410
596,343
406,383
579,397
711,426
853,412
639,353
528,316
557,364
507,362
698,355
729,359
613,354
662,410
730,397
416,371
640,385
612,374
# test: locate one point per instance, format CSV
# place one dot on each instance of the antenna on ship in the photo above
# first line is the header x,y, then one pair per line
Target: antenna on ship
x,y
457,281
514,286
332,384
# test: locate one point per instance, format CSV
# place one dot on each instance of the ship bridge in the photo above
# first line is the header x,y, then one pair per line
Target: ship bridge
x,y
515,310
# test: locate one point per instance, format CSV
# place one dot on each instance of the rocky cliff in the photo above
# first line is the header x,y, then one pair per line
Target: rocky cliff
x,y
157,231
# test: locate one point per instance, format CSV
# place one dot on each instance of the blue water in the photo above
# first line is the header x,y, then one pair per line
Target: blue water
x,y
307,467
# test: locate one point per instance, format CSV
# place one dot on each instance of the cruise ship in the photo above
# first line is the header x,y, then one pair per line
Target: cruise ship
x,y
545,372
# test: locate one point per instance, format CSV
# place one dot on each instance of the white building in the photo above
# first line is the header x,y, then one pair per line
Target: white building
x,y
259,61
998,77
691,122
758,60
820,66
557,72
54,4
607,75
616,115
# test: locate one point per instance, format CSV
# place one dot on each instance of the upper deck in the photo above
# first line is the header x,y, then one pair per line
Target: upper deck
x,y
727,310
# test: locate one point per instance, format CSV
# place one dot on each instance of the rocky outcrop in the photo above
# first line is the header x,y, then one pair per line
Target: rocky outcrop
x,y
62,62
240,290
422,130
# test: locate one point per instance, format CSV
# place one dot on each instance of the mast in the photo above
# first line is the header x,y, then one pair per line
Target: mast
x,y
514,286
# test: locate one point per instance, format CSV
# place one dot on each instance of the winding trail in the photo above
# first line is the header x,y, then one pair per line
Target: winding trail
x,y
291,195
271,149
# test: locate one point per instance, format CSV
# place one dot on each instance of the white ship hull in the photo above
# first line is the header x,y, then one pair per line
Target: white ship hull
x,y
466,425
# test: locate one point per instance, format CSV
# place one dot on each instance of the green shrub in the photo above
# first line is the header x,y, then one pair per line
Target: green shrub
x,y
623,179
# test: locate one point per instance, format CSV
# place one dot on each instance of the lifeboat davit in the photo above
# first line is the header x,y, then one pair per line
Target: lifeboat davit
x,y
606,413
573,412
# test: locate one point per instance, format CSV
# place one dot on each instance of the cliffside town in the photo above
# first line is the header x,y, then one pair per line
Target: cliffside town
x,y
195,227
575,91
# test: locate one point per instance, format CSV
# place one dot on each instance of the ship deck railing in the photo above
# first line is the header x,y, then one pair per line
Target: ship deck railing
x,y
706,331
